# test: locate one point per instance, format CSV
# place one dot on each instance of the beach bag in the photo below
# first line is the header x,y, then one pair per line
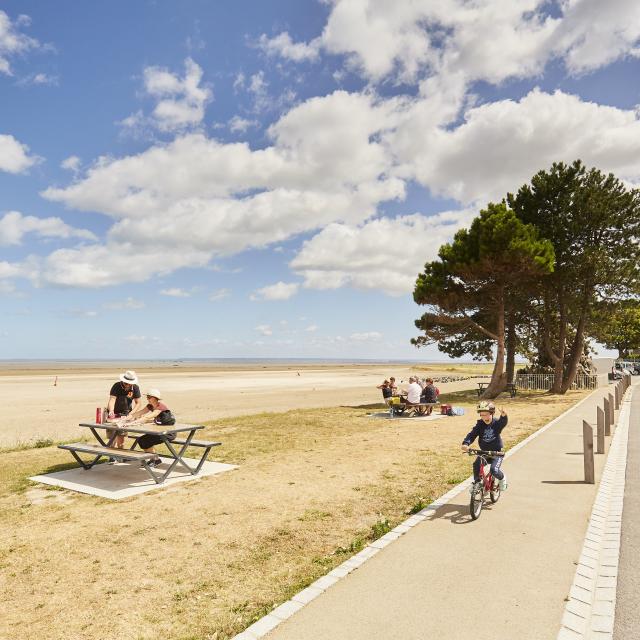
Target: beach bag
x,y
165,418
444,410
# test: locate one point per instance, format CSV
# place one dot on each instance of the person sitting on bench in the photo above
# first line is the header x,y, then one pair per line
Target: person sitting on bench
x,y
413,392
157,412
386,391
429,393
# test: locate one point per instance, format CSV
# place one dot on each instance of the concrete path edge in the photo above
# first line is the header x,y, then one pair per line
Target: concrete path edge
x,y
284,611
590,609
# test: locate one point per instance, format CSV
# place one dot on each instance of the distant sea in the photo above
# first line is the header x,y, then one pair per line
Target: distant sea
x,y
128,363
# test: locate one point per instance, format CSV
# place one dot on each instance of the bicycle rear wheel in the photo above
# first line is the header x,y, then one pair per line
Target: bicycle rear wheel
x,y
475,503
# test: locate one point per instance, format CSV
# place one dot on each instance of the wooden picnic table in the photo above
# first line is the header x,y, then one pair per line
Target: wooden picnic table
x,y
420,409
481,387
177,446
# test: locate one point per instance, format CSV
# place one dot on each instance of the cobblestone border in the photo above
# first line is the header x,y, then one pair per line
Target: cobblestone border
x,y
590,609
281,613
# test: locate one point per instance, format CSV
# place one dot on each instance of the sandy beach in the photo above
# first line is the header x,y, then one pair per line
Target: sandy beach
x,y
35,409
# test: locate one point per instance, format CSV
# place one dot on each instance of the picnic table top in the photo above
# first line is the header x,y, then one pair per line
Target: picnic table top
x,y
140,428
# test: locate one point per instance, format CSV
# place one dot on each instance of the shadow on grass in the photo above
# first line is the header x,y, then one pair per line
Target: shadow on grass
x,y
375,405
467,395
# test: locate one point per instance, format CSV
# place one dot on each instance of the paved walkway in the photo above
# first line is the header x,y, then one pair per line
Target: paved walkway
x,y
628,591
505,576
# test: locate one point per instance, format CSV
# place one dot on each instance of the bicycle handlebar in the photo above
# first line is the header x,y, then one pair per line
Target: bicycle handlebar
x,y
480,452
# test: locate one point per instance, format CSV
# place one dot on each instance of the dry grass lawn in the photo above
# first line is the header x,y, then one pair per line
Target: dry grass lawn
x,y
202,560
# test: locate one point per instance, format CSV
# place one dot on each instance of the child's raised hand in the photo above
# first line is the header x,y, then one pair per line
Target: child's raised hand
x,y
502,411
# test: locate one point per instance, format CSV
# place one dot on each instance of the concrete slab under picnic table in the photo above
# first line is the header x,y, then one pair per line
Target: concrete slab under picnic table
x,y
125,479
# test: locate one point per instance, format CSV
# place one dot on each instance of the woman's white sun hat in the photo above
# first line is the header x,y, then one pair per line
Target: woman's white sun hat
x,y
155,393
129,377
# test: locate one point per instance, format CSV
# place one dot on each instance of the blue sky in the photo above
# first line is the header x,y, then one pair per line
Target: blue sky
x,y
260,179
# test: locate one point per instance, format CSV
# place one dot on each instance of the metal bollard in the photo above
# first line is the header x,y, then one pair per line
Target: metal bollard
x,y
600,432
589,467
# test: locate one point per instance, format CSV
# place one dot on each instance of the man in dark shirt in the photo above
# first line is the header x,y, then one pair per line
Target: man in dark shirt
x,y
124,397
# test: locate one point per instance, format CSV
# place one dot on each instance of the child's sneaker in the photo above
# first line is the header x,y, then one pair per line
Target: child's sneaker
x,y
504,485
474,486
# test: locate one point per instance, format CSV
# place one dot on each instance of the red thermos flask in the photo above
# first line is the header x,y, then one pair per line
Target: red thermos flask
x,y
98,415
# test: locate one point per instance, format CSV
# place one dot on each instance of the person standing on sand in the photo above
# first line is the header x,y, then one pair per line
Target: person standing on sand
x,y
124,398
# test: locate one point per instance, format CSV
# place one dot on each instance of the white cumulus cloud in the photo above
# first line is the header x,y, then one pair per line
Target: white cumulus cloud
x,y
500,145
283,46
14,156
72,163
14,226
204,199
278,291
12,41
383,254
181,101
490,40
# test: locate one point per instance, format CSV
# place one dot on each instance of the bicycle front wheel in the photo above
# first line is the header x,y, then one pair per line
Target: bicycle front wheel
x,y
475,504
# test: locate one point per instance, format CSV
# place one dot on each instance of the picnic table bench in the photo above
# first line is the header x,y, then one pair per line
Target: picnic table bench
x,y
169,436
511,388
399,407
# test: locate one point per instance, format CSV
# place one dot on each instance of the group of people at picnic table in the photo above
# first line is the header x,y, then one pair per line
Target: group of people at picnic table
x,y
419,391
126,406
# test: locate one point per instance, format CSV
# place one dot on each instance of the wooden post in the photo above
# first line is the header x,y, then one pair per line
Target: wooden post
x,y
607,418
612,411
589,468
616,396
600,432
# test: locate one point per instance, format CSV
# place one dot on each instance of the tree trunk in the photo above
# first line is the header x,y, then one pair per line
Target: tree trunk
x,y
511,347
498,379
558,357
577,347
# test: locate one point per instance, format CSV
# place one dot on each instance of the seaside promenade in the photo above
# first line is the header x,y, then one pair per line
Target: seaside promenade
x,y
507,575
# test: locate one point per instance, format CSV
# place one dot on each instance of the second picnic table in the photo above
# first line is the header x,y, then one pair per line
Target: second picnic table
x,y
177,446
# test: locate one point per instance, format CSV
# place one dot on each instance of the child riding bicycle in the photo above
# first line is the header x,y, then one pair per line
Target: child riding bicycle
x,y
488,430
